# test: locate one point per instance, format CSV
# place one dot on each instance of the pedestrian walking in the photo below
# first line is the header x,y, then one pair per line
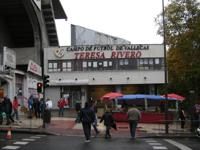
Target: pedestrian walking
x,y
42,107
87,117
182,117
47,112
61,104
196,118
1,111
36,107
108,122
30,106
8,109
15,105
94,124
134,116
78,109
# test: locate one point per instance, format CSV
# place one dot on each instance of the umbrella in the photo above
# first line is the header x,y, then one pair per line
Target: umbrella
x,y
175,96
111,95
141,96
139,99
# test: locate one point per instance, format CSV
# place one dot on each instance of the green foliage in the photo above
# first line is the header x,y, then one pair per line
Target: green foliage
x,y
182,34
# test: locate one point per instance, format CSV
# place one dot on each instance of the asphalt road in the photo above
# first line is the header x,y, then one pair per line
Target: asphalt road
x,y
49,142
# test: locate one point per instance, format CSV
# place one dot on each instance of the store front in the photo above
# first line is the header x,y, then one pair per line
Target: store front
x,y
73,94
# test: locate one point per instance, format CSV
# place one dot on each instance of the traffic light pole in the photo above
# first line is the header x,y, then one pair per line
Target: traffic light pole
x,y
165,72
43,92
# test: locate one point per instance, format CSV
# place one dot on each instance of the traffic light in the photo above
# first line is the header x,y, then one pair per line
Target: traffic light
x,y
46,81
39,87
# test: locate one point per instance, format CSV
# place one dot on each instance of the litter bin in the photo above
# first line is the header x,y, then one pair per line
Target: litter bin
x,y
47,116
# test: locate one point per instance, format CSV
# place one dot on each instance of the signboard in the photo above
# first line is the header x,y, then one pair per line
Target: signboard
x,y
34,68
102,51
9,58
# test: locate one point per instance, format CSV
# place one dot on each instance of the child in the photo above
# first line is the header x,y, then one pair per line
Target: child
x,y
108,122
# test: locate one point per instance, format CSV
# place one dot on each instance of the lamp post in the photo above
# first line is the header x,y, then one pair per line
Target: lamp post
x,y
192,103
165,70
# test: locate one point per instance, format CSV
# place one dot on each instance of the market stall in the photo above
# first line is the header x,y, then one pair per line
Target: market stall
x,y
151,107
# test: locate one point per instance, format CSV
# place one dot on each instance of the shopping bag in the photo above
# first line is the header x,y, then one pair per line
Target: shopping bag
x,y
114,126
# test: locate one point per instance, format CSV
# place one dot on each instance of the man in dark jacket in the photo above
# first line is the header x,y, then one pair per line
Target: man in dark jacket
x,y
8,110
78,109
87,117
1,111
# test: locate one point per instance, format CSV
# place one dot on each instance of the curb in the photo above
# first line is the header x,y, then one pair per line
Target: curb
x,y
27,131
43,131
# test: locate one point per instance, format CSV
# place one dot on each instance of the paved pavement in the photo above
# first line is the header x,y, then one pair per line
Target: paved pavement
x,y
67,126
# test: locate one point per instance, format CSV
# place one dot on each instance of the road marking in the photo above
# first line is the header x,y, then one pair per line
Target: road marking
x,y
155,144
42,135
28,140
20,143
11,147
151,141
159,147
35,137
179,145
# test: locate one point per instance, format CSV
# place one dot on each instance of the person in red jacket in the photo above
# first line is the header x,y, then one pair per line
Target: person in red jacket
x,y
61,105
15,105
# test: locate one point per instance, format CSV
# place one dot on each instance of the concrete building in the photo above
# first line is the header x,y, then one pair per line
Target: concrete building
x,y
83,71
26,27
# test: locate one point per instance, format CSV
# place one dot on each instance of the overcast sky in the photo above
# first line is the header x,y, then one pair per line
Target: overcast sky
x,y
132,20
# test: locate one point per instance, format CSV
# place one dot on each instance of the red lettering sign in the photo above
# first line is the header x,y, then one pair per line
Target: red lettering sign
x,y
114,55
90,55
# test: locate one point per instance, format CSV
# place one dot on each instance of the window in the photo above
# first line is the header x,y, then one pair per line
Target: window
x,y
69,66
157,61
84,64
50,67
126,62
110,64
151,64
89,64
54,66
95,64
59,65
105,64
121,62
64,66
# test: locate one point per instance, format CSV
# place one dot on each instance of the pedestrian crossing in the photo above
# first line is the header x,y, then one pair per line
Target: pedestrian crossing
x,y
155,144
158,146
22,142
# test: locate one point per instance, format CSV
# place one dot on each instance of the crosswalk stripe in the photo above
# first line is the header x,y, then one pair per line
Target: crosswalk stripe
x,y
179,145
20,143
159,147
41,135
155,144
11,147
151,141
28,140
35,137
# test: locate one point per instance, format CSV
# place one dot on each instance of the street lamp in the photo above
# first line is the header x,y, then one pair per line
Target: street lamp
x,y
165,70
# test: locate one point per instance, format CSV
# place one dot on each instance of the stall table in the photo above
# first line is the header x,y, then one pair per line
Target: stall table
x,y
146,117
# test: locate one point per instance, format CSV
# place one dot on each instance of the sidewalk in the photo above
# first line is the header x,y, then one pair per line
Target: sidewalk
x,y
67,126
